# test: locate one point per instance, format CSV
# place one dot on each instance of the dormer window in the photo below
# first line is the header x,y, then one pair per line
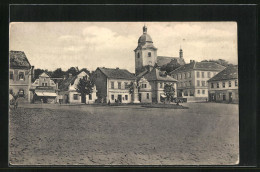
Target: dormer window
x,y
149,54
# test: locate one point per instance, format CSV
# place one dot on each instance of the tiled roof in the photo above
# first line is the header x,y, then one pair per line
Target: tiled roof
x,y
117,73
208,66
18,59
157,75
64,85
230,72
163,60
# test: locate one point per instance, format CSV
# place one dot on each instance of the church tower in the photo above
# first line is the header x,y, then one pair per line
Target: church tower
x,y
145,53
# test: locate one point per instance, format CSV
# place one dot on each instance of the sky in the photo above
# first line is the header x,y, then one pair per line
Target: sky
x,y
51,45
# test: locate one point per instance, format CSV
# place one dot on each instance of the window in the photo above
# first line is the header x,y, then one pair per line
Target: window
x,y
189,83
11,75
185,93
90,96
236,83
189,75
161,85
212,85
223,84
126,97
224,97
229,83
112,85
198,83
198,91
202,74
179,76
119,85
138,55
209,74
149,54
21,75
126,85
185,75
191,93
75,96
203,91
203,83
42,84
45,84
112,97
198,74
21,93
143,85
217,85
147,95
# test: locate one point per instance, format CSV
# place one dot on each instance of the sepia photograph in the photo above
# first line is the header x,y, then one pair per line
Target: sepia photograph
x,y
123,93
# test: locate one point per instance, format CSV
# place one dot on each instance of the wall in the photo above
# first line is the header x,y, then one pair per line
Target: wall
x,y
144,91
101,84
116,91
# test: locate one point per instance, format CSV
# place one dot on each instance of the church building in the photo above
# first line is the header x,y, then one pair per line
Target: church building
x,y
146,54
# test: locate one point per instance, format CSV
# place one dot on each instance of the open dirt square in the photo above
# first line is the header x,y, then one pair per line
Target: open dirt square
x,y
204,134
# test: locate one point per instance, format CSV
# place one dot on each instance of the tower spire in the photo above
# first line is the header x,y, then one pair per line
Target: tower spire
x,y
144,29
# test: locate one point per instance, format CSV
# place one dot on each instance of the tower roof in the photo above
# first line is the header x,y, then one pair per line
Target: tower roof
x,y
145,37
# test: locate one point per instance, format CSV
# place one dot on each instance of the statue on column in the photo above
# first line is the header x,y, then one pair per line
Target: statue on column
x,y
135,94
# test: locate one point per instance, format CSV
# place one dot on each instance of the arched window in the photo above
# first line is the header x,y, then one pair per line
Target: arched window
x,y
21,92
149,54
138,55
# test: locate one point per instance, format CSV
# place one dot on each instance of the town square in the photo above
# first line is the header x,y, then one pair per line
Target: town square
x,y
109,97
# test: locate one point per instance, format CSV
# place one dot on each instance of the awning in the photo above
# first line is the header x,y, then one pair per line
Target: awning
x,y
162,95
48,94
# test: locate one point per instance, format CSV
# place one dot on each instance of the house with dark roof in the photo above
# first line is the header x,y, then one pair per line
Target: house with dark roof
x,y
151,85
20,74
192,79
67,90
146,54
44,89
223,87
112,84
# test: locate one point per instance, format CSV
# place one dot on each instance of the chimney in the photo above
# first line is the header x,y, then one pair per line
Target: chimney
x,y
150,68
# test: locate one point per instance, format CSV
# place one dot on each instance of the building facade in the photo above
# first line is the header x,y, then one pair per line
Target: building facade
x,y
44,90
151,85
113,85
20,74
224,86
68,90
192,79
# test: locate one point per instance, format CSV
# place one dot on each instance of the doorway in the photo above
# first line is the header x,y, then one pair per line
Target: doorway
x,y
230,97
119,97
140,97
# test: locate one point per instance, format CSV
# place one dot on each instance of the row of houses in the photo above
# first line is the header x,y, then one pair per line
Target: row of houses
x,y
194,81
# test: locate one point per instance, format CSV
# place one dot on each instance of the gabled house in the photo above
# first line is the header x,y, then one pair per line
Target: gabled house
x,y
112,85
44,89
224,86
151,85
68,90
20,73
192,79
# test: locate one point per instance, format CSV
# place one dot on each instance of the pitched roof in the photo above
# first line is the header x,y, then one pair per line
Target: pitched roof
x,y
156,75
18,59
44,74
207,66
64,85
117,73
163,60
230,72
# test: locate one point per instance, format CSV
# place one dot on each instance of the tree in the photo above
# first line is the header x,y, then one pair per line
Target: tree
x,y
170,66
58,73
72,70
219,61
84,87
169,91
37,73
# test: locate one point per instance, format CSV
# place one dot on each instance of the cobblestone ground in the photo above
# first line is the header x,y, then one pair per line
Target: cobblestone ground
x,y
204,134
